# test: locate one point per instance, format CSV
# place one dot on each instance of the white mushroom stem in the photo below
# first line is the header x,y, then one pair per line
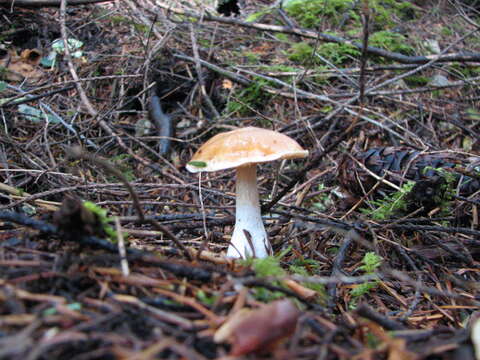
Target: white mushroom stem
x,y
248,218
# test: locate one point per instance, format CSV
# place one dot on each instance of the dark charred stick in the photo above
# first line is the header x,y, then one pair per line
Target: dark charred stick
x,y
401,251
32,98
325,223
471,201
170,217
460,252
181,270
418,335
47,3
413,304
199,224
448,230
337,266
24,220
363,58
367,312
163,123
50,229
420,220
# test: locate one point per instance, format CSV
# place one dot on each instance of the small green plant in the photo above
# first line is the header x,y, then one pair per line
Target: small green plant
x,y
53,310
446,194
323,201
205,299
286,73
205,42
249,97
307,267
385,208
141,28
198,164
370,263
120,162
103,219
3,72
256,16
270,266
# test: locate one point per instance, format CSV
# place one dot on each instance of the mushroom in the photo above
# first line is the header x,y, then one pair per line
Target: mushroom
x,y
243,149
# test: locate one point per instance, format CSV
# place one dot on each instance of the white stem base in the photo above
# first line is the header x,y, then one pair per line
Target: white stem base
x,y
249,238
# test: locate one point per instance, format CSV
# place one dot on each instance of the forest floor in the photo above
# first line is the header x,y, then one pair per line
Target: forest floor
x,y
113,250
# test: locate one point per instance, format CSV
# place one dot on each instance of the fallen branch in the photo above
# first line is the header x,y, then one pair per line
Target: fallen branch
x,y
182,270
404,59
47,3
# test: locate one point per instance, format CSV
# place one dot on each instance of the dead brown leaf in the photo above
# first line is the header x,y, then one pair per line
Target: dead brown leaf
x,y
259,330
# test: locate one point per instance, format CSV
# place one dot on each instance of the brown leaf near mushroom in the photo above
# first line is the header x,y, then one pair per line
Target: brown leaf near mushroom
x,y
259,330
25,66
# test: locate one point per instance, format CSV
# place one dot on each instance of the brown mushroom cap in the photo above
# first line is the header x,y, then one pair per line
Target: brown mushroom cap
x,y
244,146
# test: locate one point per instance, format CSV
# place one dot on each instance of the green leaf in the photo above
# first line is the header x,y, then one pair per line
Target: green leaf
x,y
473,113
50,60
199,164
3,85
73,45
35,115
30,113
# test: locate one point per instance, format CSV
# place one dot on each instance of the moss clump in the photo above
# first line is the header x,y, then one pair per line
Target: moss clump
x,y
385,11
251,57
338,54
465,70
391,41
301,52
280,68
416,81
335,53
309,13
282,37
